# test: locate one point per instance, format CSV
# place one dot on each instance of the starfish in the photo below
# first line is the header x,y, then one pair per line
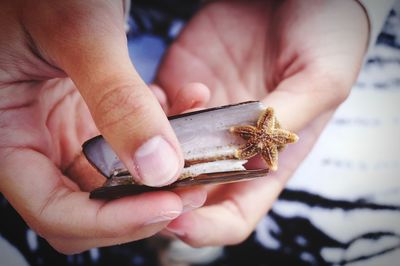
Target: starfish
x,y
267,138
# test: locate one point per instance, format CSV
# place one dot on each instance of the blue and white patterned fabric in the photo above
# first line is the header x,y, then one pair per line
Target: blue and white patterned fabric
x,y
342,207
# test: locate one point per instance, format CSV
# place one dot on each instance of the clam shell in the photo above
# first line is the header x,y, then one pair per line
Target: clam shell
x,y
204,138
113,189
208,146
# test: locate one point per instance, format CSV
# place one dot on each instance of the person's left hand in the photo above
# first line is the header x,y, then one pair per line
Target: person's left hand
x,y
299,57
66,76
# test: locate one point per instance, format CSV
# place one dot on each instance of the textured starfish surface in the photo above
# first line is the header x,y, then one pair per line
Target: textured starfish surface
x,y
267,138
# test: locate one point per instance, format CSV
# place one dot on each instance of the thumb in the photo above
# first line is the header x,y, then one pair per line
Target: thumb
x,y
88,42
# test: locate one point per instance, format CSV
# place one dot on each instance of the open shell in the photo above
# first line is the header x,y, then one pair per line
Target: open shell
x,y
208,146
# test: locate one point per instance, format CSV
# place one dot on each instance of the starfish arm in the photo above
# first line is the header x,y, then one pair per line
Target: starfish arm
x,y
247,151
277,124
246,132
283,137
281,147
270,156
266,119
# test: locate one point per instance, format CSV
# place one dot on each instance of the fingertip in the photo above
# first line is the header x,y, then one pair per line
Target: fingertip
x,y
198,91
181,226
191,96
160,95
192,198
157,162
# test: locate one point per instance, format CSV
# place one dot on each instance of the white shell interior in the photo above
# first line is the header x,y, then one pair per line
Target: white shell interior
x,y
203,136
213,167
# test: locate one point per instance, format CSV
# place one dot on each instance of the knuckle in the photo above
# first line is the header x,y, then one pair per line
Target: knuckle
x,y
339,90
107,232
106,228
45,230
62,246
342,94
39,229
239,228
71,17
239,237
195,242
42,228
235,236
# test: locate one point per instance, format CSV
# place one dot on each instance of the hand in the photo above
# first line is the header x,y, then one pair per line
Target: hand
x,y
46,49
300,57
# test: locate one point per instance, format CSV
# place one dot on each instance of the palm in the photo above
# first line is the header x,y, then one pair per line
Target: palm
x,y
209,51
41,136
244,50
50,119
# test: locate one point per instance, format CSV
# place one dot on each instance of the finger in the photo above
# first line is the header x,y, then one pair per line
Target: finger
x,y
57,210
297,101
316,74
233,210
192,198
161,97
87,40
83,174
313,89
190,96
74,246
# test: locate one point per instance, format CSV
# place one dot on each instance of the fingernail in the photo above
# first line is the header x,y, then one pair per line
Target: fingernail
x,y
164,217
177,232
191,202
190,207
156,162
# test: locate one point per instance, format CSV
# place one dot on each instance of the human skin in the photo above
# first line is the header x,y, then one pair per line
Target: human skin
x,y
66,76
300,57
60,66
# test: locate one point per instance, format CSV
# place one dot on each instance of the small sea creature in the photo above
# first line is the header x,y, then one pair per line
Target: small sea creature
x,y
267,138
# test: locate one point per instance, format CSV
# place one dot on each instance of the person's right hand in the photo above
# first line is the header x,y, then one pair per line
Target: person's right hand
x,y
65,76
299,57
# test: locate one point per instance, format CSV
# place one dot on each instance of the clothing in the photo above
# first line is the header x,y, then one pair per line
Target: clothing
x,y
377,12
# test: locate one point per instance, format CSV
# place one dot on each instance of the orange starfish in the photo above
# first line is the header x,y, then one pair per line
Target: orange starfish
x,y
266,138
